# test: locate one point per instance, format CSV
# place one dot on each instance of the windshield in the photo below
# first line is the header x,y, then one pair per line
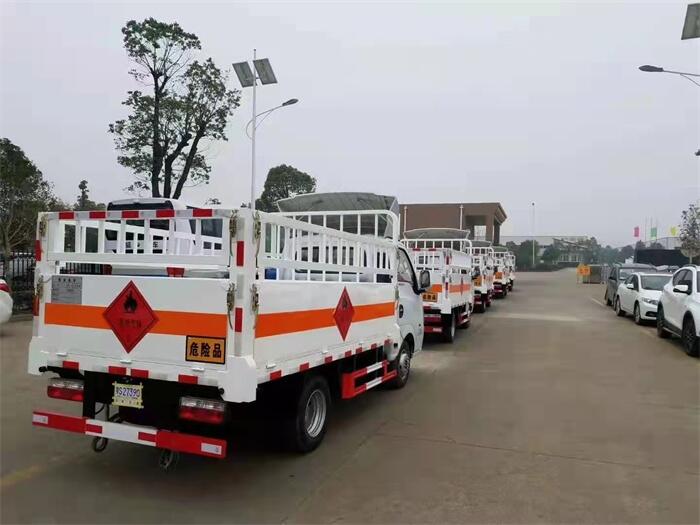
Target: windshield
x,y
654,282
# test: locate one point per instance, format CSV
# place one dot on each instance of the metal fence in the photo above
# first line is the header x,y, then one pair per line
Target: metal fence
x,y
18,272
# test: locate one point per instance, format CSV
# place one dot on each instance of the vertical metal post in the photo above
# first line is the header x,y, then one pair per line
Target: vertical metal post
x,y
533,234
252,161
461,215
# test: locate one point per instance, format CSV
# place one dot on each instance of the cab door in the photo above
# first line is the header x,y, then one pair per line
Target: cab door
x,y
410,301
627,295
675,307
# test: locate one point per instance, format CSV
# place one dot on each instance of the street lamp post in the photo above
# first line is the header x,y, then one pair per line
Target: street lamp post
x,y
533,235
247,78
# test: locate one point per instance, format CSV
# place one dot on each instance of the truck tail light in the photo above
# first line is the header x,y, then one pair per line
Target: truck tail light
x,y
4,287
68,389
202,410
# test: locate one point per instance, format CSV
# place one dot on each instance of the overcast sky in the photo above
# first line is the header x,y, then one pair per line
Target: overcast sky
x,y
429,102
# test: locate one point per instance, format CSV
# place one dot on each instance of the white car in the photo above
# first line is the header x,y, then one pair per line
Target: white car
x,y
639,295
5,302
679,309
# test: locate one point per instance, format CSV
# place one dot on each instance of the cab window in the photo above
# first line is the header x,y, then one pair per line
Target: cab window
x,y
405,273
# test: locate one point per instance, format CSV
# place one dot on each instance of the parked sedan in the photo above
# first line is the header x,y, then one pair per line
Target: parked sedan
x,y
5,302
640,294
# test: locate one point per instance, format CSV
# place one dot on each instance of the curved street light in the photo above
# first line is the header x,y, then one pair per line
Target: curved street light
x,y
267,113
656,69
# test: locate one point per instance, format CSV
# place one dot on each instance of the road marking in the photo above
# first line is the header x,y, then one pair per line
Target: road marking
x,y
18,476
596,301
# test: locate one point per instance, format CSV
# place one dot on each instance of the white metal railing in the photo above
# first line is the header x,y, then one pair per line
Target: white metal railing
x,y
462,245
328,246
113,238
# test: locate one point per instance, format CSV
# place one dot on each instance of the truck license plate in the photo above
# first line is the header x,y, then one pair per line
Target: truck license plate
x,y
127,395
430,297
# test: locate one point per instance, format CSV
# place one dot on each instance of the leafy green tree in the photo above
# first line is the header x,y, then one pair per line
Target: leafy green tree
x,y
84,202
162,139
282,182
23,194
690,232
626,252
551,254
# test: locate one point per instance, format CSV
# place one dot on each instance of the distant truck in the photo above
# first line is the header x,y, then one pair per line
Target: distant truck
x,y
482,274
502,270
449,302
179,327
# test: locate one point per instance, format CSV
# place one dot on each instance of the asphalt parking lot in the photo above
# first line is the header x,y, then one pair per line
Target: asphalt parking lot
x,y
548,409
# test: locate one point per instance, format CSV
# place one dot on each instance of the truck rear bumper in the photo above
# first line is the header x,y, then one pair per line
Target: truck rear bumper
x,y
141,435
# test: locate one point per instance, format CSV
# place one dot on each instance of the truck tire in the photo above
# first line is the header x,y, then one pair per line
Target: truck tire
x,y
305,424
661,324
402,365
607,300
449,327
480,308
690,338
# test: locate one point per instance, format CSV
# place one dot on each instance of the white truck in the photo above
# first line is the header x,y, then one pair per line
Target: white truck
x,y
501,274
510,262
169,337
448,303
483,263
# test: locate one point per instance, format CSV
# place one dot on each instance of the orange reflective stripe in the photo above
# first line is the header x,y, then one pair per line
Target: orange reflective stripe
x,y
169,323
459,288
436,288
279,323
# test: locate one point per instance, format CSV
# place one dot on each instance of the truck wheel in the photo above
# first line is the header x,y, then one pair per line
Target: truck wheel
x,y
618,309
660,324
690,338
449,328
305,425
480,308
606,298
402,365
489,300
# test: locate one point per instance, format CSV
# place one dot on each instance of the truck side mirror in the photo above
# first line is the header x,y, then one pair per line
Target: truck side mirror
x,y
425,279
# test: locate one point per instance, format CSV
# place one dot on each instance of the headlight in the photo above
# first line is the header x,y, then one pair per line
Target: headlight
x,y
650,301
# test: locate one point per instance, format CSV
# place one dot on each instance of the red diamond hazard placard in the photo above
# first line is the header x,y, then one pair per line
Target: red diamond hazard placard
x,y
130,316
344,313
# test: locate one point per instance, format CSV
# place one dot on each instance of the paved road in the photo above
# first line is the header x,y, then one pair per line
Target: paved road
x,y
548,408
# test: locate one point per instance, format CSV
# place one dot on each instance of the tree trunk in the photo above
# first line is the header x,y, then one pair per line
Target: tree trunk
x,y
157,153
188,165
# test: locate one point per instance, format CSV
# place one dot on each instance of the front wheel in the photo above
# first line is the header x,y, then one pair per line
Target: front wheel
x,y
618,308
637,314
690,338
306,423
402,365
660,324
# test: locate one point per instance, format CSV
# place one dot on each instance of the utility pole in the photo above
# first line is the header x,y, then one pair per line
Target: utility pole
x,y
533,235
